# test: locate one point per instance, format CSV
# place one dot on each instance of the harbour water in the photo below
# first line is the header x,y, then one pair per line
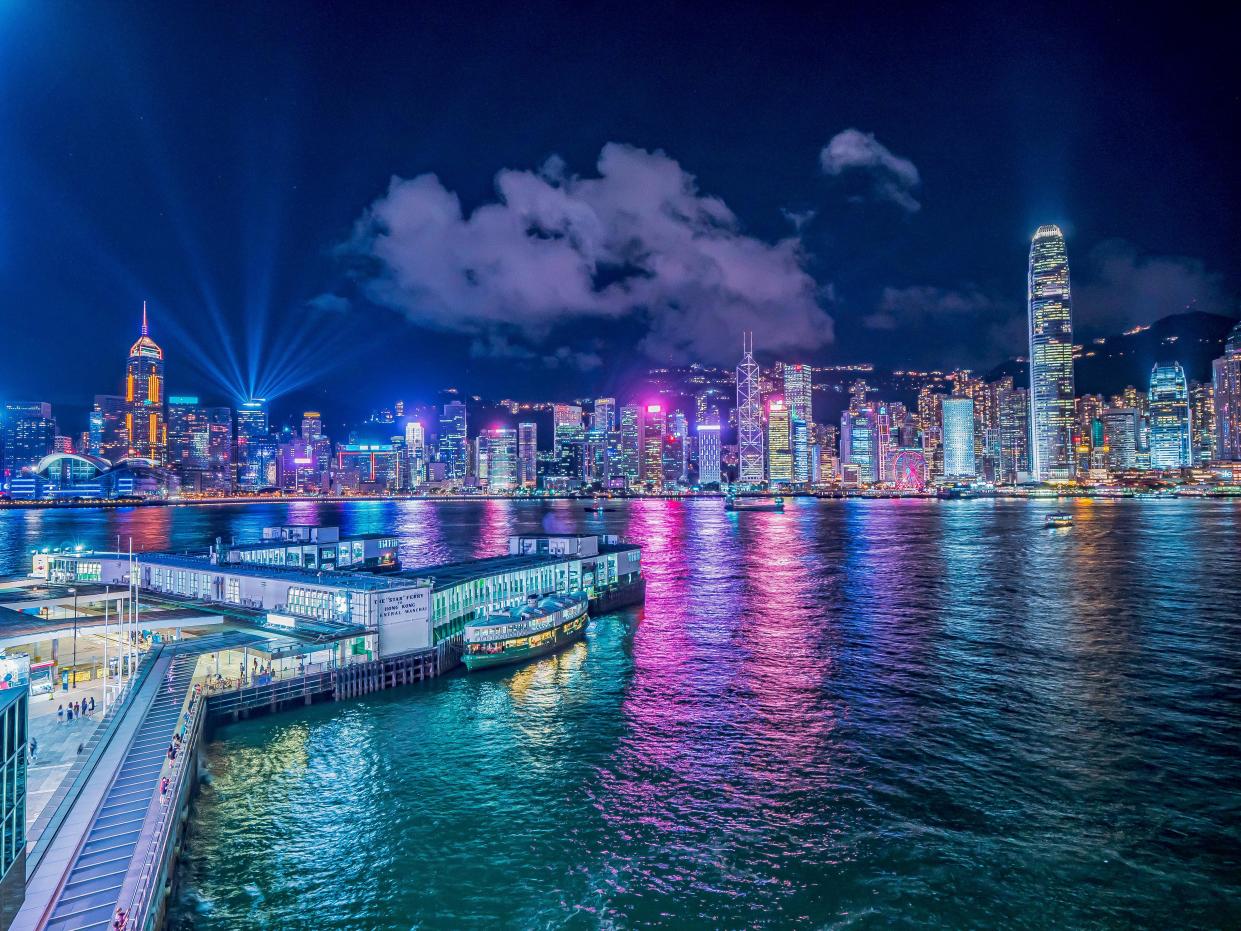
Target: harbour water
x,y
852,714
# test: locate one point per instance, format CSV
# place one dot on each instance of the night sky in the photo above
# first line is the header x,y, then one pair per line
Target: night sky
x,y
344,204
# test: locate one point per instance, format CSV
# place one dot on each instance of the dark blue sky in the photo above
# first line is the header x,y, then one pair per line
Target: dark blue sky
x,y
214,159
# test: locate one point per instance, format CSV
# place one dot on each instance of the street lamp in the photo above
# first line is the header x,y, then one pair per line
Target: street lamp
x,y
74,674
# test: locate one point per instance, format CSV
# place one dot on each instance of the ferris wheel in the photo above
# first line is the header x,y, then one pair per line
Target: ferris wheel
x,y
909,470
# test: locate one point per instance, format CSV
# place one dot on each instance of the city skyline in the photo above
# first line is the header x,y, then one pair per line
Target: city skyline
x,y
846,226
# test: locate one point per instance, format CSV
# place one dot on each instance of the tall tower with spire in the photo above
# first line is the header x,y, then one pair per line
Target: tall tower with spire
x,y
1051,357
144,397
752,468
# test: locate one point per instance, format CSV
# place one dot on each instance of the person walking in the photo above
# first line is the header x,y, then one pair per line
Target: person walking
x,y
60,714
69,714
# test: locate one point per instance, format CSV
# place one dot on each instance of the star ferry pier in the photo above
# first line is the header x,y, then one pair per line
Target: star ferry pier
x,y
169,644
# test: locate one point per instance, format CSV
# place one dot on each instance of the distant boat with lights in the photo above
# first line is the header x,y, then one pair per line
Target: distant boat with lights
x,y
539,627
753,503
1059,519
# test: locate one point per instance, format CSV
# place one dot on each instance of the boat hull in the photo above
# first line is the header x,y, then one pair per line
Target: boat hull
x,y
562,635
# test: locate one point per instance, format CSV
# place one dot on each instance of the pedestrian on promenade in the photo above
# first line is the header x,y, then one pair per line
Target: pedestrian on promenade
x,y
69,714
92,704
60,714
163,790
118,923
34,748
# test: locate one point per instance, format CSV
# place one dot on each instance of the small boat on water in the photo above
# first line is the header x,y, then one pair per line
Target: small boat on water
x,y
596,507
1058,519
536,628
756,503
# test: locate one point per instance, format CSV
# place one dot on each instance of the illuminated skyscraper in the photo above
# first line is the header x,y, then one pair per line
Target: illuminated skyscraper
x,y
858,441
29,434
631,443
779,442
1170,443
749,418
527,455
801,451
605,414
452,440
254,453
1014,413
1203,423
708,453
654,427
1120,435
566,426
1051,357
797,392
1226,374
958,432
497,446
415,453
200,444
144,397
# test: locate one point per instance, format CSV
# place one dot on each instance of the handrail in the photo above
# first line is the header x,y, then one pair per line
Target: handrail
x,y
140,901
108,727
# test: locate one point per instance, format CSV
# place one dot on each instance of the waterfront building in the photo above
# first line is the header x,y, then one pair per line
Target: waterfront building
x,y
527,455
1014,413
798,392
708,454
1051,357
678,469
453,434
378,466
859,457
566,426
1226,379
1171,444
779,442
631,443
200,444
751,469
1203,423
254,450
801,451
28,434
415,454
1120,438
144,398
654,428
958,433
497,456
14,736
604,417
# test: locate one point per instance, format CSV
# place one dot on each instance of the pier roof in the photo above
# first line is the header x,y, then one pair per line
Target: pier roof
x,y
446,575
331,578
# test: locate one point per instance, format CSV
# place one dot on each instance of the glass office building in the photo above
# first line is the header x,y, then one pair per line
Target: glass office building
x,y
13,737
1051,357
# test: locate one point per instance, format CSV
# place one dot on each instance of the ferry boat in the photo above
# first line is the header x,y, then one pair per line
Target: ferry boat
x,y
753,504
523,632
1059,519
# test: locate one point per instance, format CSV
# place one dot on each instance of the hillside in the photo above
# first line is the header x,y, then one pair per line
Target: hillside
x,y
1192,339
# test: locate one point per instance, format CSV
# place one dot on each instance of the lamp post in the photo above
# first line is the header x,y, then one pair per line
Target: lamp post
x,y
74,674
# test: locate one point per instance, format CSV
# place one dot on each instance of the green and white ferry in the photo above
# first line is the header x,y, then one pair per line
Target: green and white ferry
x,y
523,632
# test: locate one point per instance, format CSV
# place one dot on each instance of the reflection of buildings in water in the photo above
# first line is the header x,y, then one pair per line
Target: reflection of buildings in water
x,y
494,527
422,531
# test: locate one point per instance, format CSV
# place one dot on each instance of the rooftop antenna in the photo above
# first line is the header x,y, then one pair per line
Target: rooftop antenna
x,y
144,318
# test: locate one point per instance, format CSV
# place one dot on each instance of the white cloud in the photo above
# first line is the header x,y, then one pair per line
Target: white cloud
x,y
639,240
891,177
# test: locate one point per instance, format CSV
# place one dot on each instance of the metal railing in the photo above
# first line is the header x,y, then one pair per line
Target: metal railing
x,y
105,730
136,914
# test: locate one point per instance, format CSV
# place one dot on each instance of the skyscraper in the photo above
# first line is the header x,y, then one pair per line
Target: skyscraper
x,y
858,441
654,427
779,442
797,392
1203,423
527,454
605,414
144,397
1051,357
1170,436
452,440
566,426
498,447
1226,374
1014,411
631,443
801,451
254,452
415,453
958,432
200,444
29,434
749,418
708,453
1120,435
